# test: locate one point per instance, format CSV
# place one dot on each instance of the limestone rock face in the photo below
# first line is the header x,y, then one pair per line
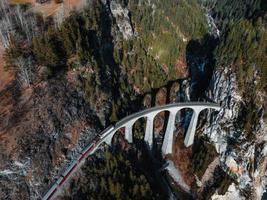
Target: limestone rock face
x,y
241,156
122,18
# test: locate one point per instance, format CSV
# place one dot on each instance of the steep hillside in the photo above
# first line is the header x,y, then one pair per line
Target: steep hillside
x,y
72,79
74,76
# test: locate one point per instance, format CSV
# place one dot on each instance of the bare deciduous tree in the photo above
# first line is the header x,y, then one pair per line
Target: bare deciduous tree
x,y
24,72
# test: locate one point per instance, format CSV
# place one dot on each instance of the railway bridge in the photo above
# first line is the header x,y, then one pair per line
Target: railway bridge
x,y
151,113
127,123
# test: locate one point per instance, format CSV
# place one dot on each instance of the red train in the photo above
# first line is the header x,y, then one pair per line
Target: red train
x,y
65,175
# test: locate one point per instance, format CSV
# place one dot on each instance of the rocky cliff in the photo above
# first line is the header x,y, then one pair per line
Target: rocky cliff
x,y
242,155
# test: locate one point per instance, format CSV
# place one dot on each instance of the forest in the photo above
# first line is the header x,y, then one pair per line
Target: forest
x,y
117,70
89,39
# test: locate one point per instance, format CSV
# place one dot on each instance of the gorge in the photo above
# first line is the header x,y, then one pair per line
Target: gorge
x,y
70,76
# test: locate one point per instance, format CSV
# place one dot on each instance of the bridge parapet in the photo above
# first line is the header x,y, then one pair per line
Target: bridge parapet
x,y
150,114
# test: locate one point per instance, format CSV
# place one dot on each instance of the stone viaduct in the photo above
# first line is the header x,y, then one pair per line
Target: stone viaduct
x,y
150,114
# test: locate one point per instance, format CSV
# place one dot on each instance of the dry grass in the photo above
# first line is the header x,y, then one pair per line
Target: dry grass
x,y
47,9
14,2
50,8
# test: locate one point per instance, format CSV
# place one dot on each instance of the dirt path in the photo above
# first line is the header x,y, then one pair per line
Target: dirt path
x,y
176,175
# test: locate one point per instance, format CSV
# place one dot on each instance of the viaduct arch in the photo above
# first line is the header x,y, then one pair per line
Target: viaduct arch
x,y
151,113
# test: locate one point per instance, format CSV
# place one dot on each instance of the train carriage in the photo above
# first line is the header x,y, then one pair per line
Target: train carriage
x,y
80,157
86,149
59,180
50,192
70,168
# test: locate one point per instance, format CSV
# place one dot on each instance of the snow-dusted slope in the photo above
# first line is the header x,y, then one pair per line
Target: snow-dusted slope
x,y
241,156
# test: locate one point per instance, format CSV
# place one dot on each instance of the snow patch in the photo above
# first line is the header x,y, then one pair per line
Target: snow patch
x,y
19,164
6,172
231,194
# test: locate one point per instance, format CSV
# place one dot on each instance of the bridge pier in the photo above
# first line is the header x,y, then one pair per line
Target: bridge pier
x,y
189,138
190,134
129,131
168,137
149,129
108,139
